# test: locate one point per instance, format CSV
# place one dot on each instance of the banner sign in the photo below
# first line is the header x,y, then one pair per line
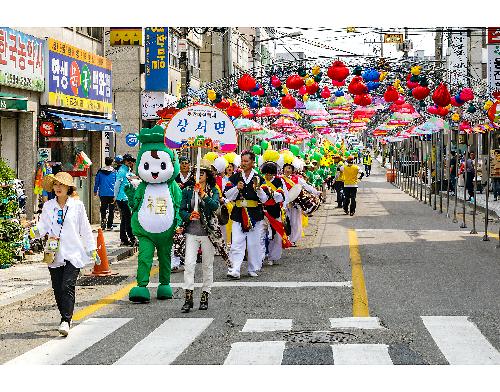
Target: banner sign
x,y
152,101
393,38
493,35
129,36
131,139
458,58
22,60
495,163
493,68
77,79
156,64
201,126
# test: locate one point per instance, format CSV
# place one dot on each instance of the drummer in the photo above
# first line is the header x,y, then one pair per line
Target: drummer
x,y
275,229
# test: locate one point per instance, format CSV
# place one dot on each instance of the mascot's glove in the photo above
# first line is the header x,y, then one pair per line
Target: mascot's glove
x,y
94,257
34,232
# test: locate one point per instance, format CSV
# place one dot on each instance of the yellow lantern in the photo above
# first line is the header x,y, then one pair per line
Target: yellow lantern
x,y
455,117
397,82
416,70
383,75
285,90
305,97
245,112
401,90
316,70
488,104
211,95
309,81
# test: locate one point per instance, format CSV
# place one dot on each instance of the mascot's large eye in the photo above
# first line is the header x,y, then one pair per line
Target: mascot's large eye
x,y
163,166
146,166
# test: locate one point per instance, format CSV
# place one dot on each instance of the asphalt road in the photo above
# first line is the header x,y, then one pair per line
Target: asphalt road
x,y
432,294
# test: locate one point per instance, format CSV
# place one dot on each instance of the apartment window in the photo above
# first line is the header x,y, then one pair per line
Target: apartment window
x,y
173,50
92,32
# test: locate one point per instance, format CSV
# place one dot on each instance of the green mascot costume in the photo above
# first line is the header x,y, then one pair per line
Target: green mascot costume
x,y
155,211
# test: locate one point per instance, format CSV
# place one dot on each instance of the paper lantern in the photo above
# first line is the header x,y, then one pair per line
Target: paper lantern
x,y
357,86
234,110
294,82
455,102
275,82
420,92
316,70
288,102
223,104
400,100
338,84
466,94
246,83
441,96
312,88
362,99
211,95
409,83
309,81
371,75
302,90
455,117
325,93
338,71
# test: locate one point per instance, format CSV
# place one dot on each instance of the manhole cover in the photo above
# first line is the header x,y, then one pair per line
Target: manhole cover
x,y
100,280
319,337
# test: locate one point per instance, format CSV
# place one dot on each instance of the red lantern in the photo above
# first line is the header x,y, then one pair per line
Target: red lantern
x,y
288,102
441,96
338,84
294,82
325,93
391,94
409,83
275,82
466,95
363,99
357,86
302,90
47,128
338,71
432,109
455,103
259,92
312,88
442,111
223,104
246,83
400,100
420,92
234,110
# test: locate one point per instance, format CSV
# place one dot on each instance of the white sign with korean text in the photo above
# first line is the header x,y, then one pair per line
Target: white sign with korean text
x,y
201,126
21,60
152,101
493,68
458,58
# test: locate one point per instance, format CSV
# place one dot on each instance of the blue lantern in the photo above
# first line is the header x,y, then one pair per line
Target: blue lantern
x,y
339,93
372,85
254,104
274,103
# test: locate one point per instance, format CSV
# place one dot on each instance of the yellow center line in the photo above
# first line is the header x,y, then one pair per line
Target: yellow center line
x,y
359,295
116,296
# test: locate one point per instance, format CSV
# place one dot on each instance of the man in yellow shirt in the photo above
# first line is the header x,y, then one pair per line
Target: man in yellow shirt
x,y
350,172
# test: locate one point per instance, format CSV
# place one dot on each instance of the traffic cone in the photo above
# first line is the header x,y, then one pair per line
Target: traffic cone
x,y
102,269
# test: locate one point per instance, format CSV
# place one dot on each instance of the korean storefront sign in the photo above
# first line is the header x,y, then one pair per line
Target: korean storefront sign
x,y
201,126
77,79
458,57
22,60
156,65
129,36
493,35
493,68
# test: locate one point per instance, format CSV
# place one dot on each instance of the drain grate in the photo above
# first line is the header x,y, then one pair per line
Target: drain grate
x,y
319,337
100,280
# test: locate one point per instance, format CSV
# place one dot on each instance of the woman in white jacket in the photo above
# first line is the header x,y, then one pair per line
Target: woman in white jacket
x,y
70,245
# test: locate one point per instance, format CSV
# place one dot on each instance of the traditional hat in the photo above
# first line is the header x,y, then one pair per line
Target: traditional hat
x,y
61,177
220,164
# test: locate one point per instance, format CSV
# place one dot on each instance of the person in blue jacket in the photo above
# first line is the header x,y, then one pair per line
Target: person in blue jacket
x,y
122,180
104,187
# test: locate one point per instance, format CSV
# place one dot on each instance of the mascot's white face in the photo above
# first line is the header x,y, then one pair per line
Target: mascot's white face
x,y
155,167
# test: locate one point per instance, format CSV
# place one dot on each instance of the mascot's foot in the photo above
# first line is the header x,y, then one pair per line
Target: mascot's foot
x,y
139,294
164,292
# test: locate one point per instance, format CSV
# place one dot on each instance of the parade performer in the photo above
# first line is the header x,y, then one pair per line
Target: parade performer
x,y
233,161
350,172
244,188
184,179
202,230
339,180
273,210
155,205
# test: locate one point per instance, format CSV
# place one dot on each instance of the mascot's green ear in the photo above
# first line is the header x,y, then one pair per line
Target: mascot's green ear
x,y
151,135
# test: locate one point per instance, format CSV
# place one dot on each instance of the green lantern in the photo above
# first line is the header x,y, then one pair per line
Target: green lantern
x,y
294,149
264,145
256,149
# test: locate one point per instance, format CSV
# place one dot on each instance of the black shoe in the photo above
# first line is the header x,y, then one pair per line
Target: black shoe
x,y
351,214
346,212
204,301
188,304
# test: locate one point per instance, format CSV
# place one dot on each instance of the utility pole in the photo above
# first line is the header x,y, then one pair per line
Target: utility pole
x,y
183,46
406,44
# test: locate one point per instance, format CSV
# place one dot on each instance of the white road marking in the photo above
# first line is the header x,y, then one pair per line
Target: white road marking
x,y
361,354
81,337
356,322
256,353
165,343
460,341
267,325
264,284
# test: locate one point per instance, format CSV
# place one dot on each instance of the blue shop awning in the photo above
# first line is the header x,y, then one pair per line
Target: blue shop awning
x,y
88,123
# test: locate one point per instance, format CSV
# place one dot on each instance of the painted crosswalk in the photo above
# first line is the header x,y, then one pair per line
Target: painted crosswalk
x,y
262,342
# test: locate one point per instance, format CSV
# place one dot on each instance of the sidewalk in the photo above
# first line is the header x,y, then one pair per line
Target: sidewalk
x,y
30,277
493,206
